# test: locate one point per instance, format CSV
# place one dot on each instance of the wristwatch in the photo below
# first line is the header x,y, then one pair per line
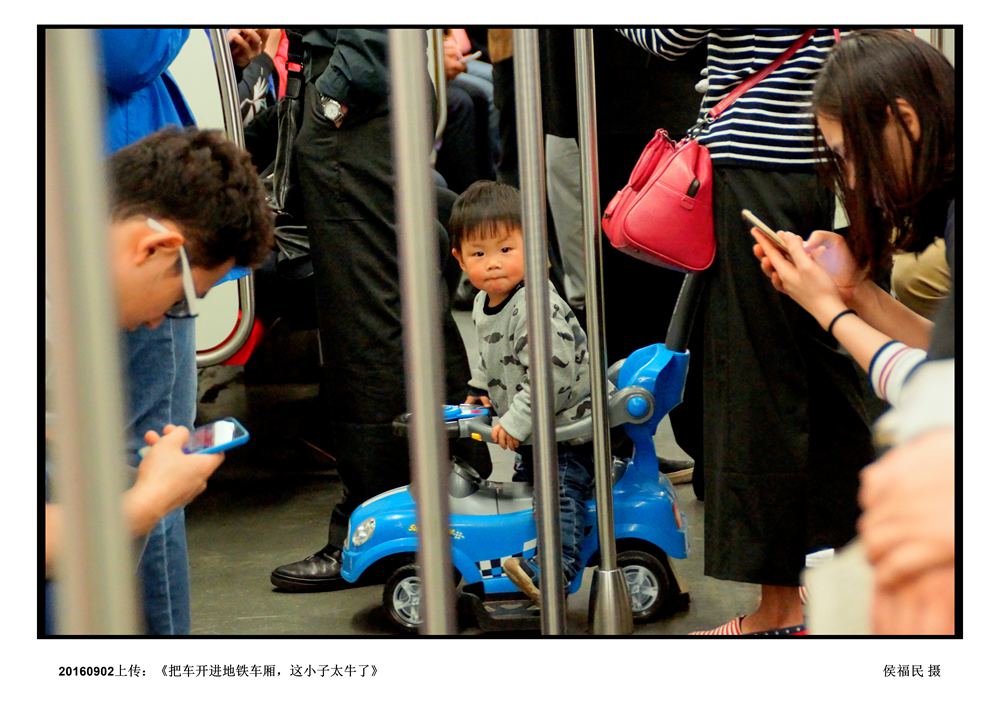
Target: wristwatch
x,y
332,109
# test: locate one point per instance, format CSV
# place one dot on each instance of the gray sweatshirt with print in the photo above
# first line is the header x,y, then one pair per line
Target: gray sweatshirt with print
x,y
503,370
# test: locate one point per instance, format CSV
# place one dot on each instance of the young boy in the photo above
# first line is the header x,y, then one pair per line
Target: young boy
x,y
486,239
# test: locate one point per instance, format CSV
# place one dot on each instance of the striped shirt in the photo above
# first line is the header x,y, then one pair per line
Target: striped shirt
x,y
772,124
891,367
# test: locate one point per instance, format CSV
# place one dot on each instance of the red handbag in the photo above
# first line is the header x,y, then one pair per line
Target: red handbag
x,y
664,214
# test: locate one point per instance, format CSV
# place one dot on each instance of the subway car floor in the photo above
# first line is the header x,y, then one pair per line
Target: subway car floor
x,y
270,504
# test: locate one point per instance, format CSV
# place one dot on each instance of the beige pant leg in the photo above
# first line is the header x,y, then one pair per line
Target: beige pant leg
x,y
921,281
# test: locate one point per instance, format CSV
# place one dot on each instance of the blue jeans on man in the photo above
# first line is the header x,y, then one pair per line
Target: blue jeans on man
x,y
162,389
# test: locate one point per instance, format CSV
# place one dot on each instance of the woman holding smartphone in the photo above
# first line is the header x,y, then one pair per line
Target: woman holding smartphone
x,y
885,109
784,422
887,130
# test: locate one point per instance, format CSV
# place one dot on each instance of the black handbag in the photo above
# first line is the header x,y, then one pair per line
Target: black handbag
x,y
291,236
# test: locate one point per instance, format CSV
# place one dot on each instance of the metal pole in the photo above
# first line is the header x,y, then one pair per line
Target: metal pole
x,y
96,584
440,88
609,600
233,127
422,333
532,171
225,73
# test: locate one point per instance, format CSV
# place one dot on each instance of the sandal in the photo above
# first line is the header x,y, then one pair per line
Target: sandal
x,y
734,627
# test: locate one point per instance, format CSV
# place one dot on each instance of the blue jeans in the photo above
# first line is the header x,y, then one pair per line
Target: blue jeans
x,y
576,480
162,389
166,586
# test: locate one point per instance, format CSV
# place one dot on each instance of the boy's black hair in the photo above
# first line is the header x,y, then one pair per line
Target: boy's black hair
x,y
482,208
204,183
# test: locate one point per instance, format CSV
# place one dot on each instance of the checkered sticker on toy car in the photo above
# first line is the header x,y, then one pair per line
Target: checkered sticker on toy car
x,y
493,568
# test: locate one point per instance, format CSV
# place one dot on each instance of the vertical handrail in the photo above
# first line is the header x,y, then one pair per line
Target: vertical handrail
x,y
612,613
225,73
440,89
422,331
532,172
96,585
233,126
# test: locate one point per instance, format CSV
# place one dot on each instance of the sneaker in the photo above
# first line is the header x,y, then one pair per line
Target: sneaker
x,y
520,572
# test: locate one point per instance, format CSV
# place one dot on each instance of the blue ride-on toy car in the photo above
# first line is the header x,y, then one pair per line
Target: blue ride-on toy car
x,y
492,521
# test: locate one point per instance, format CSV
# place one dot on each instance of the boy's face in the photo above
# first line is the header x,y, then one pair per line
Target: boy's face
x,y
493,261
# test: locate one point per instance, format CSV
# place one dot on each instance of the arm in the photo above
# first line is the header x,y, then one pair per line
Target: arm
x,y
821,277
478,381
670,44
478,393
873,304
454,64
887,314
253,86
245,45
167,479
358,71
518,419
135,58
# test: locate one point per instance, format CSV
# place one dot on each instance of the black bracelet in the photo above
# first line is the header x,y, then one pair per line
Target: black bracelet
x,y
829,330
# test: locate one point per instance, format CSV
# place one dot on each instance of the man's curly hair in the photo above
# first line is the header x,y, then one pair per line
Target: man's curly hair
x,y
202,182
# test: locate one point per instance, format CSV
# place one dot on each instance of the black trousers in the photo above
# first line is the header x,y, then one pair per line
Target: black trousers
x,y
466,154
785,426
346,177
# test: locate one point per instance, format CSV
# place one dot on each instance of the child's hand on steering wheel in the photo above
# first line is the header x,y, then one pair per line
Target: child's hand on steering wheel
x,y
504,439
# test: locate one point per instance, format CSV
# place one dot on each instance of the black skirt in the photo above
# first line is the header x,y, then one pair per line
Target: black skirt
x,y
785,427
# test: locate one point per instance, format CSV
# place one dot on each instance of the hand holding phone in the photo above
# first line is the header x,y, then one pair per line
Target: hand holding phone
x,y
475,55
217,437
764,228
214,437
167,478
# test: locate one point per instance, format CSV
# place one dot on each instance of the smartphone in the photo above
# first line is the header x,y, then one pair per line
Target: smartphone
x,y
763,227
217,436
475,55
214,437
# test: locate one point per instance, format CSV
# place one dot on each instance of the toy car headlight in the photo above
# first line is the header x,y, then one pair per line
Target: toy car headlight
x,y
363,532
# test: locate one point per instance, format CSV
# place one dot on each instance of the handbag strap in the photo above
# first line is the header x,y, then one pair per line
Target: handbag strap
x,y
749,83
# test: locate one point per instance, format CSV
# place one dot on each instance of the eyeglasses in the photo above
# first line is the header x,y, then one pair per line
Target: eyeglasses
x,y
184,307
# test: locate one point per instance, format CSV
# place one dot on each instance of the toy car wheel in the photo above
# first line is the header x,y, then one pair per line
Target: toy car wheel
x,y
650,584
401,597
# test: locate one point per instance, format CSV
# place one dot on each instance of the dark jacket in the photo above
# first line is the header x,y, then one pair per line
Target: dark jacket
x,y
350,65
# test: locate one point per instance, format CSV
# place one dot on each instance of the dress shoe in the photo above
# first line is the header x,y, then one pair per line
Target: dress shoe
x,y
317,573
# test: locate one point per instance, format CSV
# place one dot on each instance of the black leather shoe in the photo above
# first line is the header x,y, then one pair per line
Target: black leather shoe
x,y
317,573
